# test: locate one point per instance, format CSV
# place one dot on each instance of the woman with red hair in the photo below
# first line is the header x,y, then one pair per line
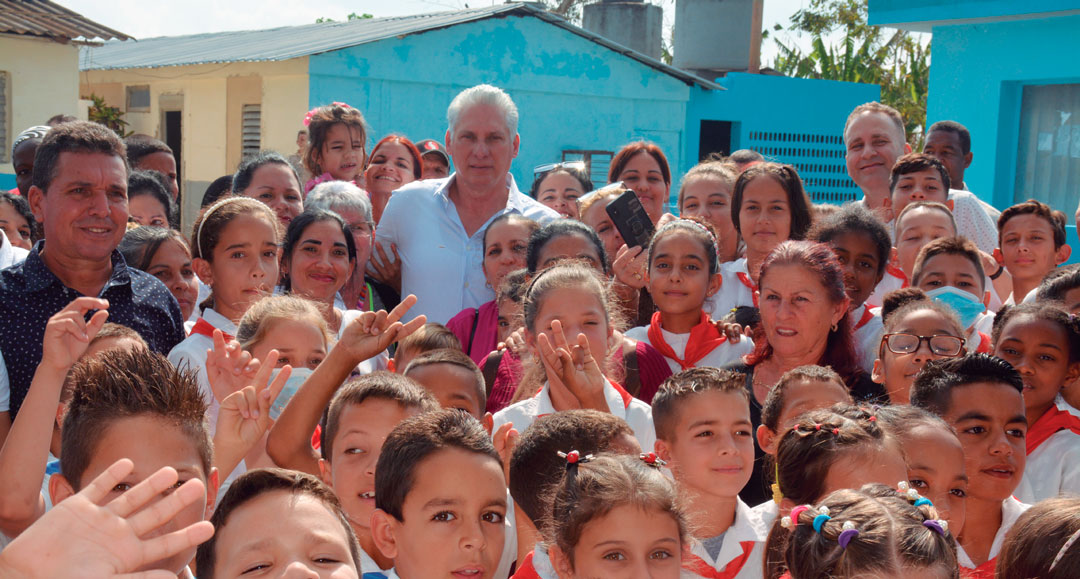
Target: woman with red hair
x,y
394,163
804,321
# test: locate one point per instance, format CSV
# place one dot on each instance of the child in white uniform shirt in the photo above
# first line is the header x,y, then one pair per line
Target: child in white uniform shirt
x,y
682,274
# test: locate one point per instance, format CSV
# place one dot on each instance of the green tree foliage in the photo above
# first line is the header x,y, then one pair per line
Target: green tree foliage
x,y
352,16
111,117
894,59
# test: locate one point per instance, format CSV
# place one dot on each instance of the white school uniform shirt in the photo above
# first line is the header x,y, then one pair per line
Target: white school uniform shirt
x,y
635,412
191,353
893,279
369,569
867,330
1011,509
1052,469
1063,405
734,291
727,353
750,526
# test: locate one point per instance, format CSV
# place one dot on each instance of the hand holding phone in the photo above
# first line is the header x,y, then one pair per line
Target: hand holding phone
x,y
630,218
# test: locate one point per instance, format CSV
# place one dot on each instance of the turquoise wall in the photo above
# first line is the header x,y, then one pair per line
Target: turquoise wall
x,y
791,120
977,78
919,13
572,93
7,182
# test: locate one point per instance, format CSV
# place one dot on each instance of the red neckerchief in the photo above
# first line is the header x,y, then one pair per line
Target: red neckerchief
x,y
984,571
695,564
205,328
626,397
898,273
704,338
1048,424
865,319
984,344
526,569
746,281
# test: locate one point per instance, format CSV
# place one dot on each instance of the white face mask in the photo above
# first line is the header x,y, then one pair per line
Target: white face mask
x,y
295,381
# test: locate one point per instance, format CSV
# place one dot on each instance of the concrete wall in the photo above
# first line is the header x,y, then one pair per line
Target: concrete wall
x,y
211,98
572,93
632,23
790,120
43,81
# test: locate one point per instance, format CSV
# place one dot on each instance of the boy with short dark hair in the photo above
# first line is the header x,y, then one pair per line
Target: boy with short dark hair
x,y
1031,244
452,377
135,404
428,337
917,177
359,416
950,271
981,397
536,467
704,433
440,498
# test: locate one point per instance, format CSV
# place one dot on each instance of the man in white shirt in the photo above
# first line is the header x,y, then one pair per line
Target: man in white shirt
x,y
438,225
950,143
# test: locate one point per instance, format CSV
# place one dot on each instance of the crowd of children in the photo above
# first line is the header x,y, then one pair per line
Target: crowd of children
x,y
614,411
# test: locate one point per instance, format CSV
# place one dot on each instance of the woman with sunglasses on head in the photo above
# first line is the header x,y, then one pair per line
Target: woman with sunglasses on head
x,y
560,185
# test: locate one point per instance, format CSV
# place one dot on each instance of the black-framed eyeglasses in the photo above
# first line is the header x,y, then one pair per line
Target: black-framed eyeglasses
x,y
939,344
549,167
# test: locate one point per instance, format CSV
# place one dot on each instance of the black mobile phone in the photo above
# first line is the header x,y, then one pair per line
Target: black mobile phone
x,y
630,219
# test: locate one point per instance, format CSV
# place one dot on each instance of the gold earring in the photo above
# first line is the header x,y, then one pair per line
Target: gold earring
x,y
834,327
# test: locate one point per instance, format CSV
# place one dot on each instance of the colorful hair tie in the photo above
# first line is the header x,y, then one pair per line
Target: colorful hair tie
x,y
574,458
651,459
923,501
836,431
942,527
795,512
1064,548
786,523
817,427
820,518
849,532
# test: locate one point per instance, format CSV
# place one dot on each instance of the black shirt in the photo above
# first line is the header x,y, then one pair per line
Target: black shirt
x,y
30,294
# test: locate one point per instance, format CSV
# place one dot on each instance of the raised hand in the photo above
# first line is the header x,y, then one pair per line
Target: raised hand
x,y
68,334
373,332
574,367
229,368
504,439
629,266
83,536
245,416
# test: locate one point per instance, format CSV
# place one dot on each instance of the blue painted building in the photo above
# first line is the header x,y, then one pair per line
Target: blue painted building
x,y
580,95
1006,69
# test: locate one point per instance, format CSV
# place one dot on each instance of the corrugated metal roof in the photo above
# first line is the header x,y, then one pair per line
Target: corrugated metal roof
x,y
50,20
289,42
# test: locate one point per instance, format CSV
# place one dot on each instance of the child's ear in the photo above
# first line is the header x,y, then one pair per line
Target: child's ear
x,y
560,562
1062,254
213,483
999,257
59,488
663,450
326,471
715,280
203,270
877,374
1071,375
383,529
765,438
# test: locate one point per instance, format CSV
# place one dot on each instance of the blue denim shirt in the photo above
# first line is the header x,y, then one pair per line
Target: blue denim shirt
x,y
30,294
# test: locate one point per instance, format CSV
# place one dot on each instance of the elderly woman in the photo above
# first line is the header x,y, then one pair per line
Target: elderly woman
x,y
350,202
804,321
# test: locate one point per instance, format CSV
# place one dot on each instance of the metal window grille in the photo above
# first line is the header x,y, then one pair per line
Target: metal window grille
x,y
251,130
596,162
819,159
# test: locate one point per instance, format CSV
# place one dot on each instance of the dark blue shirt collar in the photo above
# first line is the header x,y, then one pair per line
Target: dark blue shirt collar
x,y
38,276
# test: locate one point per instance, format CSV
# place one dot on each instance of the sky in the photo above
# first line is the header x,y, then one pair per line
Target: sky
x,y
143,19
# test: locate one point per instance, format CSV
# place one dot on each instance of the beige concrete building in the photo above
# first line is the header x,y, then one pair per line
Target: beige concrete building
x,y
39,68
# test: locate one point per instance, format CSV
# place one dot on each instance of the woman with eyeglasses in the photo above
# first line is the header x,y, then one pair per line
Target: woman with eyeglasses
x,y
560,185
917,330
